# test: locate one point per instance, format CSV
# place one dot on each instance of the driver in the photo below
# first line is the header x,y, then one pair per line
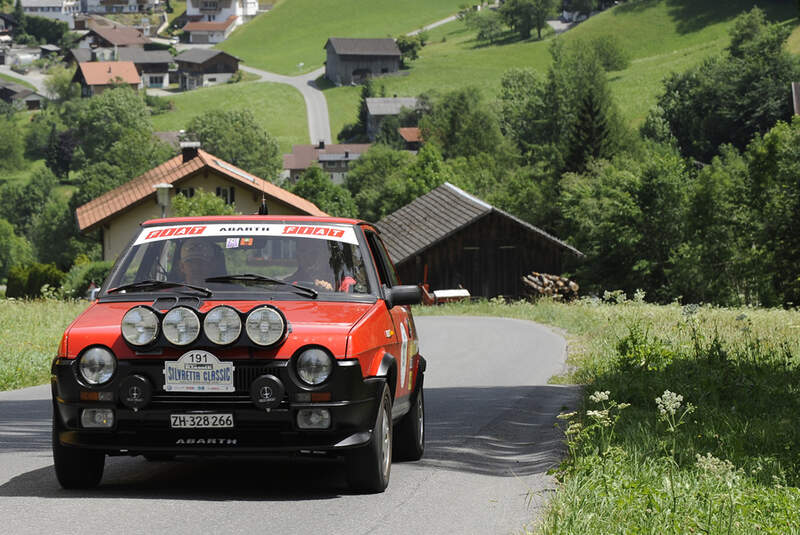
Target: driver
x,y
313,263
197,261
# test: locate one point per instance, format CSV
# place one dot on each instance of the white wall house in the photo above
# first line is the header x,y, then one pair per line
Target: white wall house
x,y
63,10
220,10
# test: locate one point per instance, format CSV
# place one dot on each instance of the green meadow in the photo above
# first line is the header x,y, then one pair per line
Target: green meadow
x,y
661,36
295,31
279,108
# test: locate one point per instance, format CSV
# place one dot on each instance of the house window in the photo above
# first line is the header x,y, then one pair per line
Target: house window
x,y
228,194
156,81
186,192
212,79
209,5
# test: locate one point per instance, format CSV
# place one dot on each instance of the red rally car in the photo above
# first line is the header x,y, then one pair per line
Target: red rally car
x,y
243,335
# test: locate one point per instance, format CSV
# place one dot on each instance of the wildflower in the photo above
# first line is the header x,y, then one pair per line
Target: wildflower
x,y
601,417
566,415
598,396
669,403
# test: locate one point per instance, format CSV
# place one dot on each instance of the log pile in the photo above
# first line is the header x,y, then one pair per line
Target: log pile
x,y
537,285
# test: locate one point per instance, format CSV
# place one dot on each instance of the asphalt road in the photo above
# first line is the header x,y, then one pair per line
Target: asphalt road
x,y
490,440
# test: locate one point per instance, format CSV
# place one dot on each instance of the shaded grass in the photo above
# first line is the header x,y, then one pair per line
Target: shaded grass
x,y
279,108
295,31
741,370
30,332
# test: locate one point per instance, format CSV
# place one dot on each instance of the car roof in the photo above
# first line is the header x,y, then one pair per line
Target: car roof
x,y
253,218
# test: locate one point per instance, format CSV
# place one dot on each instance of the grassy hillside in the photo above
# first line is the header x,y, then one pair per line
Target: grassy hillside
x,y
296,30
661,36
278,108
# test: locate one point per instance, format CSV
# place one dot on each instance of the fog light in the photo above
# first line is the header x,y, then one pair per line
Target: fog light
x,y
97,418
313,419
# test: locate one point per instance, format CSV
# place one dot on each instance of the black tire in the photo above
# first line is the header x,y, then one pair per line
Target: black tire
x,y
409,433
369,467
76,468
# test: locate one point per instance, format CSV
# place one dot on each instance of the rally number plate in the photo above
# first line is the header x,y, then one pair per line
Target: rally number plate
x,y
198,371
199,421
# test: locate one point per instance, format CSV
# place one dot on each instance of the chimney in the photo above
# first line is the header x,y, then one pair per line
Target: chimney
x,y
321,145
189,149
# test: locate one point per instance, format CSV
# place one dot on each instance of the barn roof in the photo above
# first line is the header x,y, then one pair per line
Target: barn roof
x,y
201,55
364,47
439,214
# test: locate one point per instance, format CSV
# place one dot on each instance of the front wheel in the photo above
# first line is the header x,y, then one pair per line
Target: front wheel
x,y
76,468
368,467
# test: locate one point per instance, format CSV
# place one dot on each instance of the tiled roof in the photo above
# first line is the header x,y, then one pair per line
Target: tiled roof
x,y
304,156
140,56
109,72
390,106
206,26
411,134
120,35
438,214
173,171
200,55
363,47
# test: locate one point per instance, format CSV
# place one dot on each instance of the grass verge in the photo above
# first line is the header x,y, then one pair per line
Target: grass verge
x,y
29,335
723,458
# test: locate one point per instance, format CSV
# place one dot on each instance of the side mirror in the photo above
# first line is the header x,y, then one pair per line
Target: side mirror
x,y
403,295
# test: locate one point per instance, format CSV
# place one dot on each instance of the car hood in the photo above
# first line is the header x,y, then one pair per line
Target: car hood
x,y
324,323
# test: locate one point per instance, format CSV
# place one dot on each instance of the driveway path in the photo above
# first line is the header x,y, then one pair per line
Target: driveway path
x,y
35,78
489,442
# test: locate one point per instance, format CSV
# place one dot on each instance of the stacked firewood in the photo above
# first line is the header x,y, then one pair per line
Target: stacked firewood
x,y
543,284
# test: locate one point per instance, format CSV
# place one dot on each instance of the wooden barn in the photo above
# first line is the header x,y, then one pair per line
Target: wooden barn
x,y
350,61
464,242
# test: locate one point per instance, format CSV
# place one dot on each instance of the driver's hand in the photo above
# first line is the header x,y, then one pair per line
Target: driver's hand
x,y
323,284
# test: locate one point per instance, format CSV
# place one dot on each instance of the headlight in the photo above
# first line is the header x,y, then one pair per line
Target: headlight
x,y
181,326
139,326
222,325
264,326
97,365
314,366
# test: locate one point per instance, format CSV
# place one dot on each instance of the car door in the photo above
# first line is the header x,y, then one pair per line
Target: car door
x,y
404,344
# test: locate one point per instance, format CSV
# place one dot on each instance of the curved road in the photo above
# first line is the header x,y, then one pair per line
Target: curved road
x,y
490,440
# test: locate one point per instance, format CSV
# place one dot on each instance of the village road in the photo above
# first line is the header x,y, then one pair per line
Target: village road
x,y
490,440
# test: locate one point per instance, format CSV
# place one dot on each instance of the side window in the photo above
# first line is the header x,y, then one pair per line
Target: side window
x,y
385,268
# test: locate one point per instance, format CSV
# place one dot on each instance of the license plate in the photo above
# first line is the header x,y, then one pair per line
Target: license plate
x,y
198,371
199,421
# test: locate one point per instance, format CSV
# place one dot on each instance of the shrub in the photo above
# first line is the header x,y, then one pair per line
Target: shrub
x,y
27,281
80,277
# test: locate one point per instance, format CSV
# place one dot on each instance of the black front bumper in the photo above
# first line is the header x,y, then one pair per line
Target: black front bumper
x,y
353,409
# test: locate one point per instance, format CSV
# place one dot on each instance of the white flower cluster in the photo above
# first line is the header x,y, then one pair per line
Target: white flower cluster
x,y
598,396
669,403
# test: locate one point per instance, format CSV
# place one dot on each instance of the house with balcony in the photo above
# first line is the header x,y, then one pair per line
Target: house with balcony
x,y
219,18
152,65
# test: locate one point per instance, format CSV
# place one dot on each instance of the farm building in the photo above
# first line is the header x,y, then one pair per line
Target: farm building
x,y
464,242
198,67
353,60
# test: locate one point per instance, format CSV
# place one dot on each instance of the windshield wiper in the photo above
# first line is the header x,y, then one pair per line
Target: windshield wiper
x,y
151,284
254,278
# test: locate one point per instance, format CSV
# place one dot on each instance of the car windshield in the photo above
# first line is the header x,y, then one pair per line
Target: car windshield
x,y
245,258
